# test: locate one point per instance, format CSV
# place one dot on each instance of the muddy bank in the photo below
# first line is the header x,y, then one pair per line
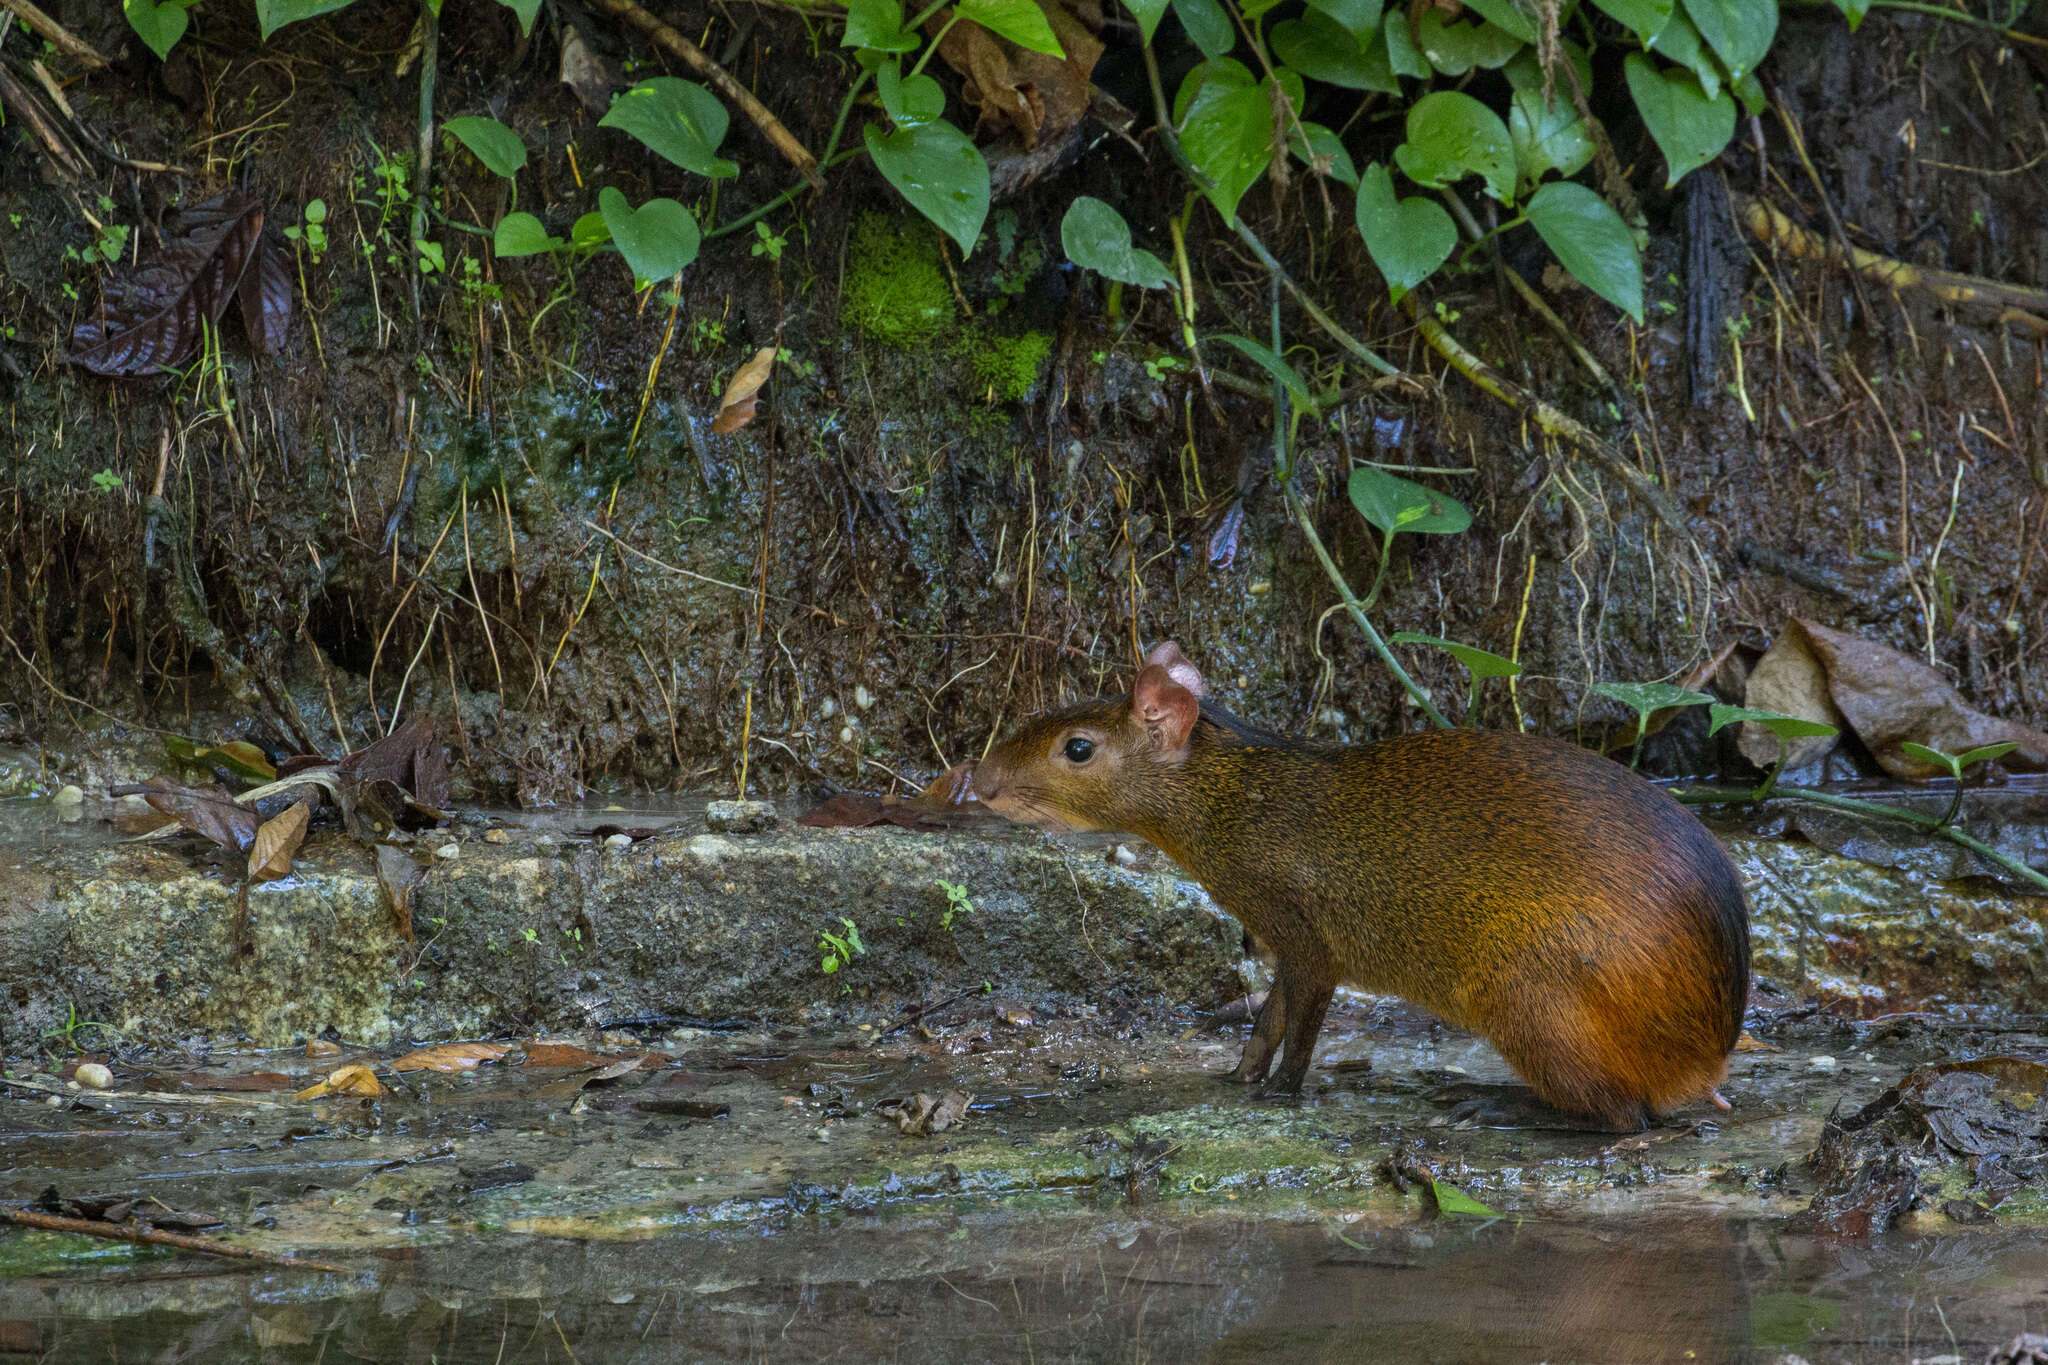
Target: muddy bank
x,y
545,930
1102,1197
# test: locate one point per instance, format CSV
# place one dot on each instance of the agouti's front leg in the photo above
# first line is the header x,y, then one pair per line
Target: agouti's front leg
x,y
1267,1031
1307,997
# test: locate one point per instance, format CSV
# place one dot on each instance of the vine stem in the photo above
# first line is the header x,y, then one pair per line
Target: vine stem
x,y
1714,796
1365,354
1357,612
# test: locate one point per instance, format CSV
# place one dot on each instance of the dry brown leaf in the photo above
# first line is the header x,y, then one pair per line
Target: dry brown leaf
x,y
277,843
397,874
1890,698
450,1056
744,392
213,813
1788,680
355,1079
562,1054
321,1047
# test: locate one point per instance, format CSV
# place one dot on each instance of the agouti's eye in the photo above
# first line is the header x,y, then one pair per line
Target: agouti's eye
x,y
1080,750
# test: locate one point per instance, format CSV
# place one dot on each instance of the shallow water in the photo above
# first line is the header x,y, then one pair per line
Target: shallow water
x,y
1136,1286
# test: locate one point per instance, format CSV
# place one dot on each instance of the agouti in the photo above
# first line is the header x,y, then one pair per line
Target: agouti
x,y
1527,889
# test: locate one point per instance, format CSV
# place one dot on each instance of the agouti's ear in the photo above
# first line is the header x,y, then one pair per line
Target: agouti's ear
x,y
1165,708
1167,655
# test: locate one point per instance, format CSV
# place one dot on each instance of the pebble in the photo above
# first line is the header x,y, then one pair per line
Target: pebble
x,y
1821,1063
739,817
93,1076
1122,856
321,1047
448,851
495,835
69,795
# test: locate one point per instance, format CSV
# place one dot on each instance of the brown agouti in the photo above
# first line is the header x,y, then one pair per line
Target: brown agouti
x,y
1530,890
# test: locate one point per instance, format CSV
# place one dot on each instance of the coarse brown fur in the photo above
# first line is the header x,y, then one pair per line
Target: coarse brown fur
x,y
1530,890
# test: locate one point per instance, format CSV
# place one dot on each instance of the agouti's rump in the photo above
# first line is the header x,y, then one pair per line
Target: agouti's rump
x,y
1554,901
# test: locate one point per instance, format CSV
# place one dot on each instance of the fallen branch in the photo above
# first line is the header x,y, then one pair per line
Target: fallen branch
x,y
65,40
1715,796
148,1236
2018,304
771,127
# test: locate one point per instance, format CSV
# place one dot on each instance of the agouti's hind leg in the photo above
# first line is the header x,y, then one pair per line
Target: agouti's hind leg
x,y
1307,1001
1265,1040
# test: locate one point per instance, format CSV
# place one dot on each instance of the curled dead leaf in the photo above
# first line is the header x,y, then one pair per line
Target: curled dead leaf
x,y
744,392
277,843
355,1079
450,1057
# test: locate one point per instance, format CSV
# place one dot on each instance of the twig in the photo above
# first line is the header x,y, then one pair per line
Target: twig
x,y
67,42
2017,303
1712,796
146,1236
771,127
1550,420
430,67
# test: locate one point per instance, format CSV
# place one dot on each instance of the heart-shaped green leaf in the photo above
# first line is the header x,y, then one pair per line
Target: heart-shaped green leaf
x,y
1227,131
497,146
1313,143
1402,57
1690,128
1506,16
1721,714
1547,137
877,26
1643,698
1323,50
272,15
159,26
1208,27
677,119
589,232
1483,663
1739,31
1853,11
1451,135
908,100
1644,18
1097,238
1455,48
1407,238
1680,41
1590,240
1393,503
938,169
526,10
657,239
521,234
1021,21
1148,13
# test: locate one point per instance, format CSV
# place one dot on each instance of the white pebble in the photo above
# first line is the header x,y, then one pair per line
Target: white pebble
x,y
448,851
93,1076
862,697
1821,1063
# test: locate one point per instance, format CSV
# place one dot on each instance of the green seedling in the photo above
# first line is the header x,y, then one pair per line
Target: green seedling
x,y
312,230
73,1026
1645,699
839,952
957,903
1393,505
1482,664
1954,764
1786,728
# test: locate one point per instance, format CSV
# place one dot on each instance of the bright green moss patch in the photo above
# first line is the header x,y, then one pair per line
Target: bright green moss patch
x,y
895,291
1004,367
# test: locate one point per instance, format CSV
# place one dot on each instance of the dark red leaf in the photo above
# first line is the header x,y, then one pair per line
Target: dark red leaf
x,y
150,318
266,297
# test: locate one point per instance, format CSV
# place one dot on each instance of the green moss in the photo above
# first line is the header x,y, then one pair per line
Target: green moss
x,y
895,291
1004,367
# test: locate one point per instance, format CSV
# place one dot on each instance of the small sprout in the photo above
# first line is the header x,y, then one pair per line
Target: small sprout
x,y
1954,764
1786,728
1482,664
837,950
1645,698
957,902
